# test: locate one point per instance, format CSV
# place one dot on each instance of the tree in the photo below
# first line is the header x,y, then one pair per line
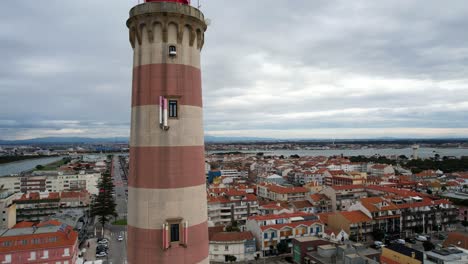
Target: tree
x,y
104,204
444,188
429,191
230,258
282,247
428,246
39,167
233,227
378,235
464,223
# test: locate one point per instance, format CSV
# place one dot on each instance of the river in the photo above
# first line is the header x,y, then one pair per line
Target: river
x,y
422,152
24,165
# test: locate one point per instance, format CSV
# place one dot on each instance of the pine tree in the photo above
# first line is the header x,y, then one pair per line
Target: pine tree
x,y
104,204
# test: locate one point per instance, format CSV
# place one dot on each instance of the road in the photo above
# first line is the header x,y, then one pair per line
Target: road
x,y
118,249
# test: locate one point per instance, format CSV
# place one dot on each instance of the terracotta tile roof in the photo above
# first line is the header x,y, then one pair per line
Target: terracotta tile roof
x,y
231,236
456,239
426,173
337,172
355,216
49,223
66,238
401,192
301,204
214,229
371,204
23,224
291,225
275,206
317,197
324,216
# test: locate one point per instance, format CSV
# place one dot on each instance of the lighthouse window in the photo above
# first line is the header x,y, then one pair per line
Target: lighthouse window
x,y
173,108
172,50
175,232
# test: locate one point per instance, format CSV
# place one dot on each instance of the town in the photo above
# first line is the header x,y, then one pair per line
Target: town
x,y
260,207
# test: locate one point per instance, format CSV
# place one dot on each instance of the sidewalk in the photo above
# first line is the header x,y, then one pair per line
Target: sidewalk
x,y
90,253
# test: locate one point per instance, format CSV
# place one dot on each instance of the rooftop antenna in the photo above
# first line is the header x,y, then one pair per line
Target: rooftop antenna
x,y
198,4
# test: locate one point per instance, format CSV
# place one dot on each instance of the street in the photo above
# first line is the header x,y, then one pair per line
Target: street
x,y
118,249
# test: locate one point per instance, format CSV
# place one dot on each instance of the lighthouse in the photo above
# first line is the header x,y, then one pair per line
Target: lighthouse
x,y
167,212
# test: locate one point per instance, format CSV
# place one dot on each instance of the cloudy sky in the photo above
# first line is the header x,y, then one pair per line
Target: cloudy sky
x,y
271,68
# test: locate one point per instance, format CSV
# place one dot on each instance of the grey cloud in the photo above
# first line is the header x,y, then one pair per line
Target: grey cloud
x,y
403,63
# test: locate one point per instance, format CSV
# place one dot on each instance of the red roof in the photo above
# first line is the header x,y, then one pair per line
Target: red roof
x,y
231,236
23,224
66,238
355,216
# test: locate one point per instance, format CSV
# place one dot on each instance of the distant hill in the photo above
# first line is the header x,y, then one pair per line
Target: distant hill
x,y
66,140
244,140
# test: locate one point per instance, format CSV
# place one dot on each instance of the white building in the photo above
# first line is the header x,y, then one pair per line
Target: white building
x,y
241,245
270,230
53,182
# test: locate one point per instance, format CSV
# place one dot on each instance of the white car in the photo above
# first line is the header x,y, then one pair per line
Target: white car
x,y
421,238
101,254
400,241
120,238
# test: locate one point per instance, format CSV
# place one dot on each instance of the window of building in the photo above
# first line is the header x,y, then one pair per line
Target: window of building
x,y
46,254
172,50
7,243
215,248
32,256
175,230
265,235
173,111
25,242
226,248
66,252
7,259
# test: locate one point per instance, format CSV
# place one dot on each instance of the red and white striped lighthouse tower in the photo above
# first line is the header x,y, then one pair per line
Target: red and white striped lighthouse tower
x,y
167,215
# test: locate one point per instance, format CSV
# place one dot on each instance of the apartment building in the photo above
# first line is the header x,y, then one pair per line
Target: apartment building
x,y
7,209
240,245
53,182
320,202
423,215
275,192
342,197
345,178
355,223
37,206
384,213
231,205
380,170
270,230
46,242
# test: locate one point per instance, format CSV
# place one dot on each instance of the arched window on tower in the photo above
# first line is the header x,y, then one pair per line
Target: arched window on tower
x,y
172,51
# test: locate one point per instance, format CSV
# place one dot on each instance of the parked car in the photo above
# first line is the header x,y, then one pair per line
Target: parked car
x,y
378,244
101,254
101,248
421,238
103,241
400,241
410,240
120,238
